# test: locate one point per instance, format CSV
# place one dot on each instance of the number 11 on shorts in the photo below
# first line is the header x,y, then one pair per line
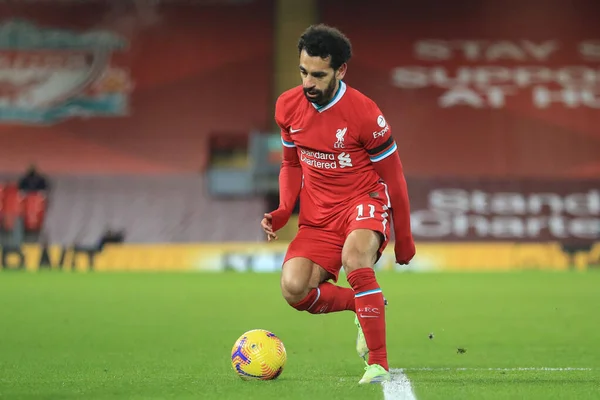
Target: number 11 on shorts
x,y
361,212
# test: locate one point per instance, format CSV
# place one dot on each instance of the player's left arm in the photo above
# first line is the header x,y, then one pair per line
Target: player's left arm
x,y
376,137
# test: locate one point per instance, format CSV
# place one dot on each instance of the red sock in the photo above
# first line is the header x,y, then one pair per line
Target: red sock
x,y
327,298
370,309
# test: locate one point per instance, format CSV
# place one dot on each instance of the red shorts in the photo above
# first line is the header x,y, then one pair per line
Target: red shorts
x,y
323,246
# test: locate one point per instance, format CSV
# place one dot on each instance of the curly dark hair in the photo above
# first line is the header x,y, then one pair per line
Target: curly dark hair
x,y
323,41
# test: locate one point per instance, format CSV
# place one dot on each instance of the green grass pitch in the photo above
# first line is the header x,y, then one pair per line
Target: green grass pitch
x,y
169,336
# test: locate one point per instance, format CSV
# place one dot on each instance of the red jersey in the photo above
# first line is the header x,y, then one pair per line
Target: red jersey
x,y
337,145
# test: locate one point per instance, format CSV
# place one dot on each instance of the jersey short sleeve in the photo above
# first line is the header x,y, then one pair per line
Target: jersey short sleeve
x,y
376,134
280,119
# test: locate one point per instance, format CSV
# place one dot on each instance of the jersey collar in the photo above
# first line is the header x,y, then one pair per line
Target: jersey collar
x,y
338,95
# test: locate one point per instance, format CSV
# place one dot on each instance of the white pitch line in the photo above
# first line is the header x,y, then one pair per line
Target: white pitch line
x,y
499,369
399,387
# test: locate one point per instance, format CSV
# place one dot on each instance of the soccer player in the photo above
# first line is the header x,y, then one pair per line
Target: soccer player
x,y
340,158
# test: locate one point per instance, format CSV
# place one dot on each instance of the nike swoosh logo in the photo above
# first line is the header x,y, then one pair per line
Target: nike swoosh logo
x,y
292,130
368,316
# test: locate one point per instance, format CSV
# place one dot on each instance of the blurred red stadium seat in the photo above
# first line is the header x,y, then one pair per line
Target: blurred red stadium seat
x,y
34,211
12,206
1,200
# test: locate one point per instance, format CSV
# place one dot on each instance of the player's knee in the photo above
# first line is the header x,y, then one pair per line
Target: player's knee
x,y
360,250
355,259
293,289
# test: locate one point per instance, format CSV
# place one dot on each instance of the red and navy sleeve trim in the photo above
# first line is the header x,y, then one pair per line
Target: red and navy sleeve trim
x,y
382,151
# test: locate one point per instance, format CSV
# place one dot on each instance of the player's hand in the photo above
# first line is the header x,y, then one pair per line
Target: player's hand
x,y
267,225
404,249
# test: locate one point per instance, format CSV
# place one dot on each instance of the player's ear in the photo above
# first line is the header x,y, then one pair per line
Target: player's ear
x,y
341,71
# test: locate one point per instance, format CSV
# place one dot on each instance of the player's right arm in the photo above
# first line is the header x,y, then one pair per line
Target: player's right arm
x,y
290,178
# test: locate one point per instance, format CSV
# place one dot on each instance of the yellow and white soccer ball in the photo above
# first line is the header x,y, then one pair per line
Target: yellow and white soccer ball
x,y
258,354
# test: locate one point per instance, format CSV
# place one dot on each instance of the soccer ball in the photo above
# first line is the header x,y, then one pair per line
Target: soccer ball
x,y
258,354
